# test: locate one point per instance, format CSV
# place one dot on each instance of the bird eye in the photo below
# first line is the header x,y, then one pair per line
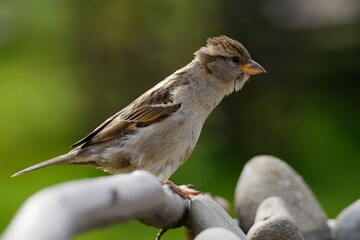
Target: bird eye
x,y
235,59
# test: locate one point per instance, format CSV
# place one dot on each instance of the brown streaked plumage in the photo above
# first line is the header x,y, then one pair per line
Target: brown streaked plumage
x,y
159,130
140,113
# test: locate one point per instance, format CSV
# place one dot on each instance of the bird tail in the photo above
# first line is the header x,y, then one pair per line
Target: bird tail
x,y
62,159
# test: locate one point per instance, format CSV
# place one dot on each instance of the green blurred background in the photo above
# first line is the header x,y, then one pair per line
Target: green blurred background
x,y
65,66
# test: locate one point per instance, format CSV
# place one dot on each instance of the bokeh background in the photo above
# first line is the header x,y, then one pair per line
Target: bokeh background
x,y
65,66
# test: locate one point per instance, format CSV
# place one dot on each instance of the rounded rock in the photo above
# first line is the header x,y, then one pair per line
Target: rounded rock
x,y
273,222
275,228
216,233
271,207
348,223
266,176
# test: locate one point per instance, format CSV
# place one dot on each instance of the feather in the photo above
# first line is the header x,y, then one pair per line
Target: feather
x,y
151,107
62,159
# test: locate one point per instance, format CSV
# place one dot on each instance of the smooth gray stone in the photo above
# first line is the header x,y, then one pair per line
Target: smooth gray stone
x,y
271,207
332,223
216,234
205,213
273,222
275,228
266,176
348,223
64,210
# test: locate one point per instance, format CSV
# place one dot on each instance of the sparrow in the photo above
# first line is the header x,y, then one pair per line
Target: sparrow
x,y
158,131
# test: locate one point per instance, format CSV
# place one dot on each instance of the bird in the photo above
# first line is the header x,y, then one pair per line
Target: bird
x,y
158,131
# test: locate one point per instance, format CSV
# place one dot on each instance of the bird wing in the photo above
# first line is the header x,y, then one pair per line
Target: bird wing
x,y
152,107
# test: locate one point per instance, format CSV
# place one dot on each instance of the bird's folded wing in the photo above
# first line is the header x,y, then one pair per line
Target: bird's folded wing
x,y
152,107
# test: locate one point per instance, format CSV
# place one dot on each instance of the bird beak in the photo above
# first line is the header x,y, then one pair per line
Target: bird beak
x,y
252,68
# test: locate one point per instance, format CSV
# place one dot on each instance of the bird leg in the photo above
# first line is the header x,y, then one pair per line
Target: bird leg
x,y
183,192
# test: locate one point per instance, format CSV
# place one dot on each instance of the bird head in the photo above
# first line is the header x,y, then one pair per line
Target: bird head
x,y
228,60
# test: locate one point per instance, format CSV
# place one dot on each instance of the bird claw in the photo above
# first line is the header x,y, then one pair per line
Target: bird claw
x,y
183,192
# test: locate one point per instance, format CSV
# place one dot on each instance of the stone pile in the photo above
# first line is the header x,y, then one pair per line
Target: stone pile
x,y
273,202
